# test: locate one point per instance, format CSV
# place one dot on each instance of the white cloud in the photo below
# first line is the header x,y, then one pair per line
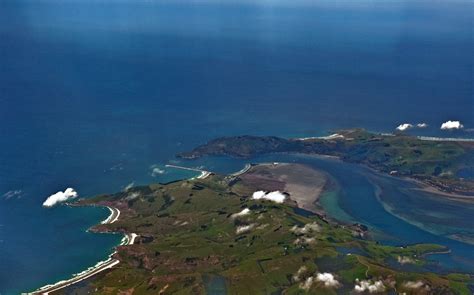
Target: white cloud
x,y
157,171
12,194
244,212
275,196
421,125
308,228
413,285
244,228
405,260
258,195
60,197
448,125
405,126
129,186
306,285
368,285
328,279
132,196
299,273
304,241
263,226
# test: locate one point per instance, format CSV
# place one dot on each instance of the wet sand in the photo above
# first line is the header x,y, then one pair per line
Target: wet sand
x,y
303,184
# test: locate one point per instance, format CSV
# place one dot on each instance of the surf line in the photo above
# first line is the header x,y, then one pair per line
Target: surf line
x,y
128,239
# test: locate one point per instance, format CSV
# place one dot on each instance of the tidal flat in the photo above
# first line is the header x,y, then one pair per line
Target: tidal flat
x,y
191,232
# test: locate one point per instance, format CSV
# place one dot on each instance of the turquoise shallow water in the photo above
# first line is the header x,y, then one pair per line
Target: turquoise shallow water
x,y
365,195
94,93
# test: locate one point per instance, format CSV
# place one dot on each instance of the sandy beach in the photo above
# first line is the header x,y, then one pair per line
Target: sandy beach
x,y
113,217
128,239
434,190
204,174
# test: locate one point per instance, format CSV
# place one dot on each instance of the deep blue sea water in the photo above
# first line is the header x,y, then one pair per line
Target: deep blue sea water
x,y
93,93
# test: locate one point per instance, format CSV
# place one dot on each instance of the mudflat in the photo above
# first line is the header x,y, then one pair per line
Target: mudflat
x,y
303,184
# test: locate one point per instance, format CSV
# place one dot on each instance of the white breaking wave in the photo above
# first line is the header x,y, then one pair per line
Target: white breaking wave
x,y
98,267
12,194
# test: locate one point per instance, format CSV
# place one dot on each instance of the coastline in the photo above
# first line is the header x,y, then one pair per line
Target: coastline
x,y
424,185
114,215
128,239
242,171
455,139
357,229
429,188
203,175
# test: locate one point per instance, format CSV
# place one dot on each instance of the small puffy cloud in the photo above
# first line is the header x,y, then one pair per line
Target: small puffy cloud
x,y
60,197
308,228
180,223
244,212
328,279
421,125
299,274
129,186
258,195
12,194
414,285
117,167
275,196
448,125
405,260
262,226
303,241
306,285
405,126
132,196
368,285
244,228
156,170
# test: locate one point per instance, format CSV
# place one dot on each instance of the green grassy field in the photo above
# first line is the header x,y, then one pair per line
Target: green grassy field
x,y
434,162
188,233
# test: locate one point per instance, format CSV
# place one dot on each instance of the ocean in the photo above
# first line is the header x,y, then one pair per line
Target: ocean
x,y
96,95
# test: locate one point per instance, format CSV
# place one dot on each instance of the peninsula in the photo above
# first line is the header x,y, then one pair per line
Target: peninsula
x,y
253,232
436,163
